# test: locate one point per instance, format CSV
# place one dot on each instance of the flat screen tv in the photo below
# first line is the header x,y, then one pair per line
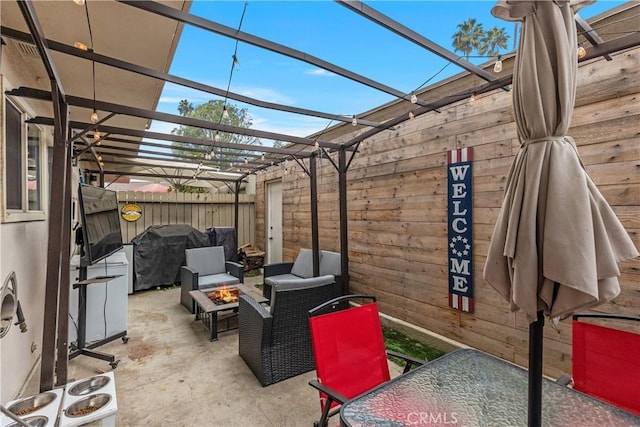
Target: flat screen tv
x,y
100,218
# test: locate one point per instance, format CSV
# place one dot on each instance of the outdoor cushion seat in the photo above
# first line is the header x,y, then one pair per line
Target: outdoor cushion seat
x,y
302,268
275,341
215,280
206,269
274,280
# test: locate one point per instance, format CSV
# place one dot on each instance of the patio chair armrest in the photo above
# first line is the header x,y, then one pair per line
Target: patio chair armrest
x,y
410,361
188,282
564,380
332,394
189,276
254,337
277,269
235,269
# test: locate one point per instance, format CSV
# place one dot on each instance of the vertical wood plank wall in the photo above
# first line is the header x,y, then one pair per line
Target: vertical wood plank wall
x,y
397,205
201,211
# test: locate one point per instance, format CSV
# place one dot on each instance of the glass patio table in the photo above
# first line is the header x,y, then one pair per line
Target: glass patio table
x,y
471,388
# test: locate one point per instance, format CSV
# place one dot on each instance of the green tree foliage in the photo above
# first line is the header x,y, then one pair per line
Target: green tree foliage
x,y
472,37
467,38
493,40
184,188
212,111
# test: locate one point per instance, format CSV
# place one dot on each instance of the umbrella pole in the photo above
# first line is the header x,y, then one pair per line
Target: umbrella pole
x,y
535,371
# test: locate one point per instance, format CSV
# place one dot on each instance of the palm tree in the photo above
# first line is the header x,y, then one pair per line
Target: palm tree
x,y
185,107
492,41
468,37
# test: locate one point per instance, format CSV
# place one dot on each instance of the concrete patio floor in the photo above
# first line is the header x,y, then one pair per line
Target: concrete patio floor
x,y
170,374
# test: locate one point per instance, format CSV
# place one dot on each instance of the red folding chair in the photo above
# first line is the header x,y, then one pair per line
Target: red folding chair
x,y
606,361
349,352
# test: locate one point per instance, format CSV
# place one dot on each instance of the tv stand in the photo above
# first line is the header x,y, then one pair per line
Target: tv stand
x,y
84,348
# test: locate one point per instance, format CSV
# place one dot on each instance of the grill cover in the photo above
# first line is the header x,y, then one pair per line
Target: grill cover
x,y
225,237
158,253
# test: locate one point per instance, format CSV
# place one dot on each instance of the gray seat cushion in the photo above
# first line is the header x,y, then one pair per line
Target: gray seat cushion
x,y
303,265
274,280
214,280
206,260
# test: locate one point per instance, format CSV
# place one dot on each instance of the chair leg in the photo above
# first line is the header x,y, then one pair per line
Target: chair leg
x,y
324,419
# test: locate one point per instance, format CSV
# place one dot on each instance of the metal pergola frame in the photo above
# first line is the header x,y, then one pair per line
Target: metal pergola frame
x,y
57,273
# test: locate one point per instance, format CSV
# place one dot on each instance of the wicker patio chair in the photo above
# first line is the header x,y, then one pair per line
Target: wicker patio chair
x,y
303,268
206,269
274,341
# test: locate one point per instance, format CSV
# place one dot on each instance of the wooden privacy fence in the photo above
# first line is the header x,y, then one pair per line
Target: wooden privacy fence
x,y
200,211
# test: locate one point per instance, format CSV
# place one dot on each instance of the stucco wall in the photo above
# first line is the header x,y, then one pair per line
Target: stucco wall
x,y
23,250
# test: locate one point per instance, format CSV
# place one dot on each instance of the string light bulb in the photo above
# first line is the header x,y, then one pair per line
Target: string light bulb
x,y
262,156
217,136
207,156
99,158
79,2
246,161
582,52
101,163
317,145
94,117
497,67
96,136
473,97
354,121
225,113
414,98
411,115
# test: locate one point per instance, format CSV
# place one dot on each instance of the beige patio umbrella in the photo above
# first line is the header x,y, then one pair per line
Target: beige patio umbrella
x,y
556,242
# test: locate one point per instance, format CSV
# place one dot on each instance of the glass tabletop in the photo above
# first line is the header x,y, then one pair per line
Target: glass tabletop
x,y
470,388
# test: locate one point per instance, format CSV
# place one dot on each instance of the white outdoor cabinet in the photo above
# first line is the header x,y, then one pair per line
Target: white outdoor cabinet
x,y
106,301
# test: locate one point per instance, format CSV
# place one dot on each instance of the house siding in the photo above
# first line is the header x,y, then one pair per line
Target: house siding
x,y
23,250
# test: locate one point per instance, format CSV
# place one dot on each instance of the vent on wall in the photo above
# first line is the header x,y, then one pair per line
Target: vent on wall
x,y
28,49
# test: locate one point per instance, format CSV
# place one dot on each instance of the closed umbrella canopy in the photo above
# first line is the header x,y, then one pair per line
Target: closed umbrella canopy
x,y
556,243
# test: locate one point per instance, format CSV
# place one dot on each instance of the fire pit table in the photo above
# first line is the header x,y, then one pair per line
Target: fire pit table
x,y
207,308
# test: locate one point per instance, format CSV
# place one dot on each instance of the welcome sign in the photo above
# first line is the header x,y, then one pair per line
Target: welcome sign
x,y
460,243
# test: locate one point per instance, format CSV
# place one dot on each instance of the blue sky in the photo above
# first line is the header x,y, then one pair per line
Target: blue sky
x,y
330,32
